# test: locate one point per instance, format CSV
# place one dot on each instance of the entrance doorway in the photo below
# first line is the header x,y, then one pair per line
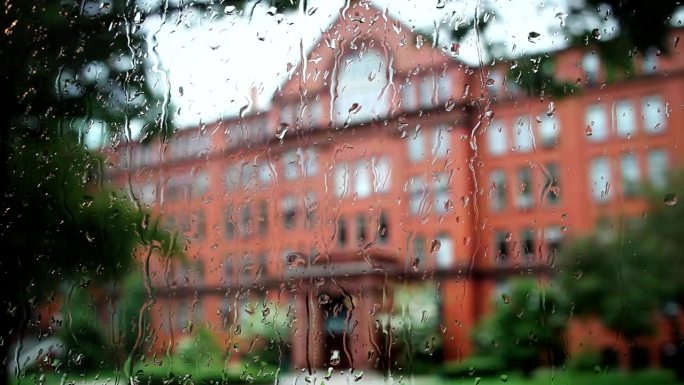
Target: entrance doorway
x,y
336,332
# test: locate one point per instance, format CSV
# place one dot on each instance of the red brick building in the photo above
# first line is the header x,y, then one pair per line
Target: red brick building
x,y
381,160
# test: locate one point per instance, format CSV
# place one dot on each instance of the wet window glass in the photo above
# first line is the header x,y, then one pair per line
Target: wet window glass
x,y
322,192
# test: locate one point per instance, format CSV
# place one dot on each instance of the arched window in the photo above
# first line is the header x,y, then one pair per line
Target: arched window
x,y
360,89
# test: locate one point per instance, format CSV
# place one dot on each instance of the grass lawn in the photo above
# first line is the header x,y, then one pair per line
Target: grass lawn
x,y
559,377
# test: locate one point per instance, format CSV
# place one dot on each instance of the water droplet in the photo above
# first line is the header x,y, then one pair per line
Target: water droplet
x,y
587,130
187,329
596,34
504,378
532,37
295,260
282,130
416,263
335,358
229,10
265,312
328,375
424,317
355,107
448,205
506,298
323,299
419,41
358,376
551,109
671,199
455,49
450,104
436,245
490,82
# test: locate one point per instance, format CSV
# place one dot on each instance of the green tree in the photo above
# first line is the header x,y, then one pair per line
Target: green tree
x,y
526,327
626,277
66,66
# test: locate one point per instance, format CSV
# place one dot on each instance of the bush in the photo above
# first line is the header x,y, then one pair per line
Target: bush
x,y
585,361
529,321
481,366
210,375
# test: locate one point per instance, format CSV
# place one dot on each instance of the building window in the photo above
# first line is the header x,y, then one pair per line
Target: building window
x,y
383,228
408,97
310,161
418,251
287,115
591,67
360,88
650,62
552,184
522,134
361,229
498,193
630,174
527,244
229,223
441,192
246,221
445,254
600,179
247,176
291,165
341,232
624,116
200,185
341,179
416,192
494,85
263,217
444,88
596,124
549,130
362,180
654,112
657,168
416,146
265,174
201,224
289,211
440,141
382,170
496,138
227,270
524,198
427,91
553,239
501,239
233,177
311,209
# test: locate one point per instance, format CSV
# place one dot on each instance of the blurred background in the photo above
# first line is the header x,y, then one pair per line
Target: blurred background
x,y
230,192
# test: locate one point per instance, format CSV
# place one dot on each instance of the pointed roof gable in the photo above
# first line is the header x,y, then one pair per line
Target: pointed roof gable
x,y
359,28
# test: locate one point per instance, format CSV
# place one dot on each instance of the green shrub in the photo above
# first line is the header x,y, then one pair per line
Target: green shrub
x,y
585,360
180,374
480,366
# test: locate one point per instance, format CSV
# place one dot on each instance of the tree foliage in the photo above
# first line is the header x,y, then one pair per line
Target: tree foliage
x,y
625,275
526,327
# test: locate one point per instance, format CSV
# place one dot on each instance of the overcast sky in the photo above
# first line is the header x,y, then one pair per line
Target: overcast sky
x,y
213,64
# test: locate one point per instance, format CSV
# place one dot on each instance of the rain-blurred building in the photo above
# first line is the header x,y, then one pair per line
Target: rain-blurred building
x,y
383,162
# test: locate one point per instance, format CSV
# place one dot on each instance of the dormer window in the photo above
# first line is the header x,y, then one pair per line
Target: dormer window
x,y
591,66
361,93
